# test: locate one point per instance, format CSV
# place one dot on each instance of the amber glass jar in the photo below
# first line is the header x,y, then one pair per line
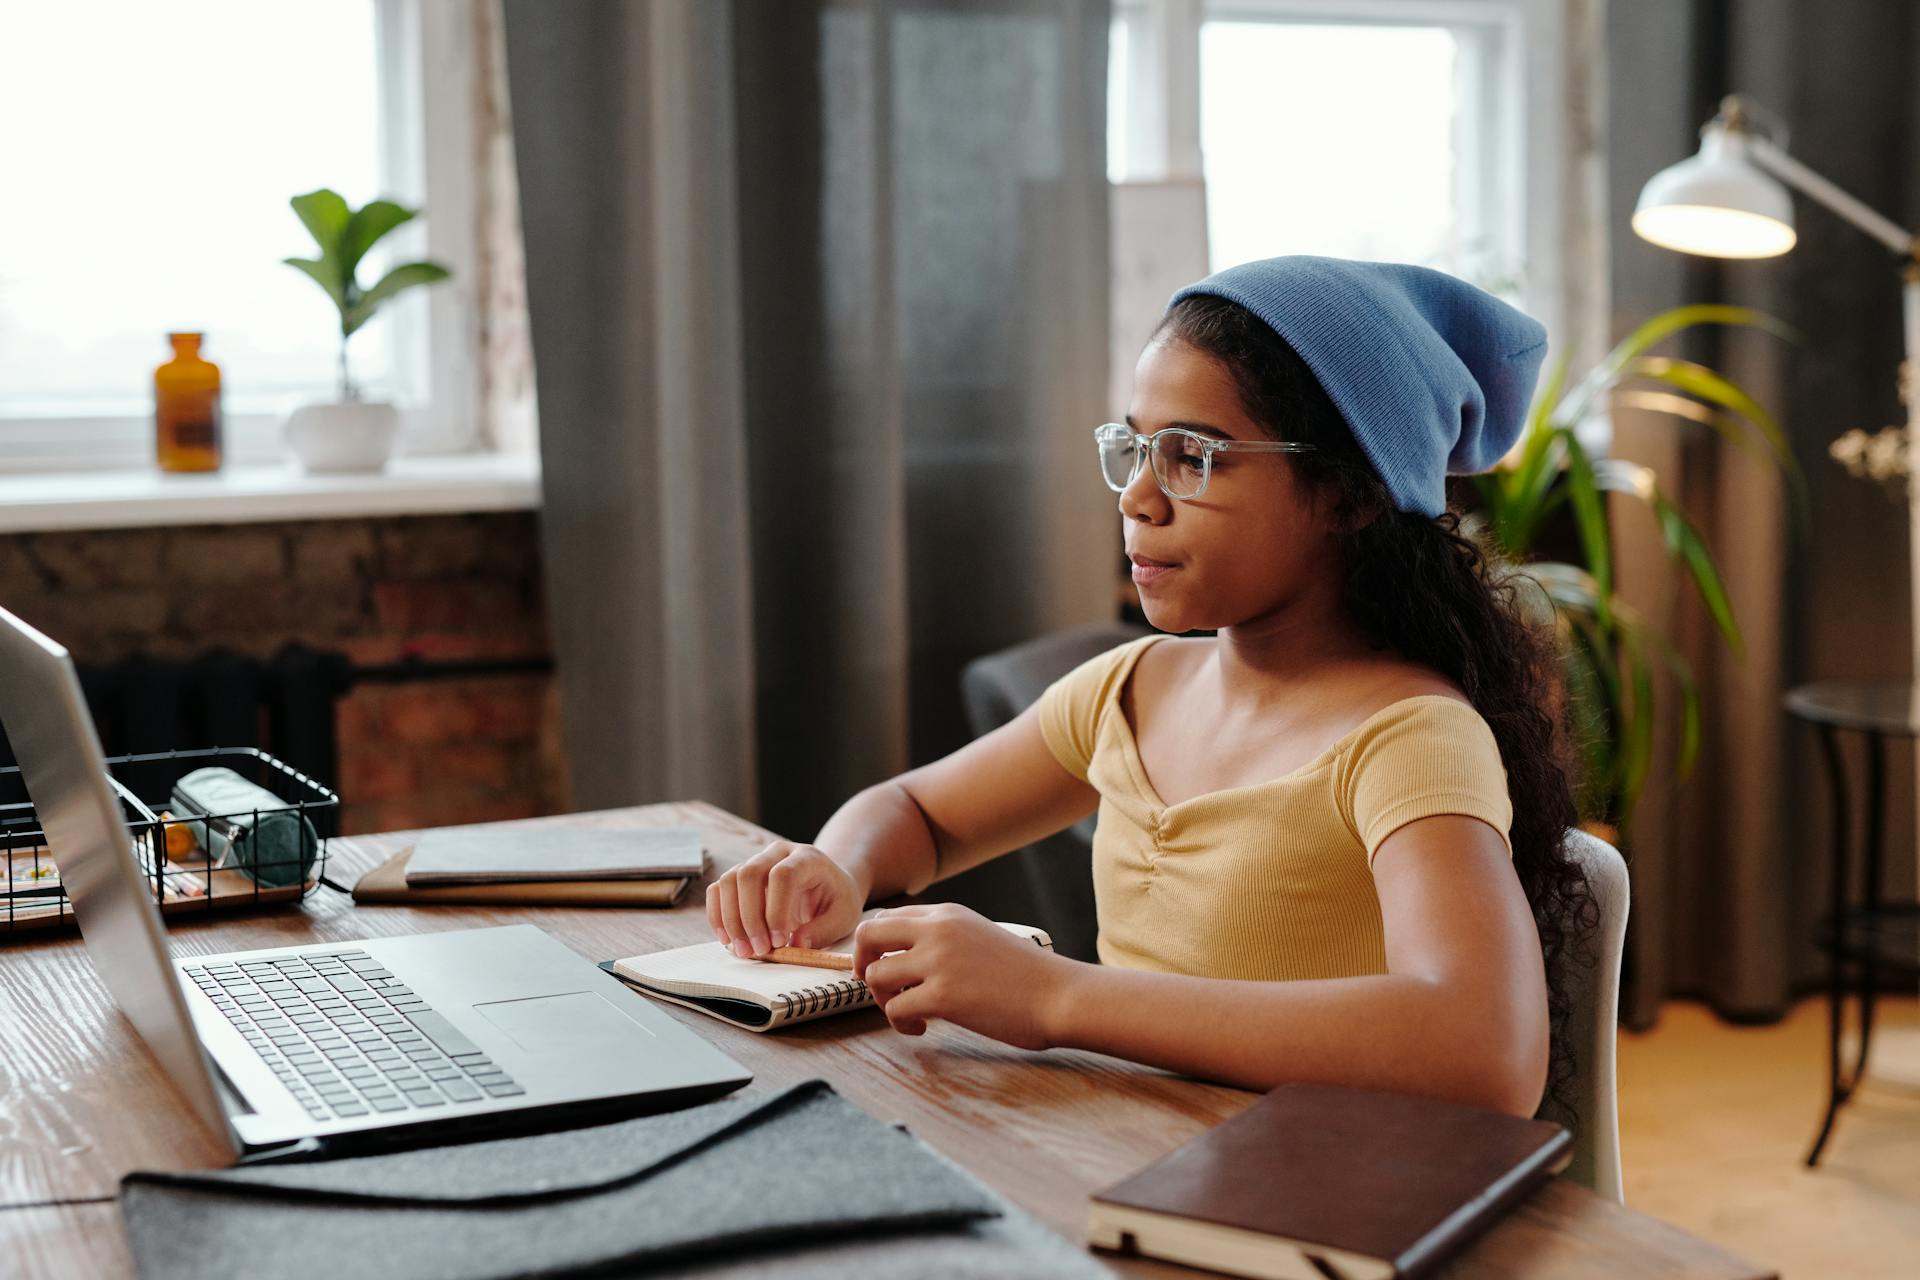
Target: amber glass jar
x,y
186,408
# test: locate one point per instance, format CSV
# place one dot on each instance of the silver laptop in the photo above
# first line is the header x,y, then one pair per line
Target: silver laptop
x,y
297,1049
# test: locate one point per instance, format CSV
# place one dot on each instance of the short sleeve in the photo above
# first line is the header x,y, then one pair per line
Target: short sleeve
x,y
1071,708
1418,759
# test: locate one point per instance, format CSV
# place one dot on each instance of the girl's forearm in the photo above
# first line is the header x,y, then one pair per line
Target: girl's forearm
x,y
1392,1032
881,838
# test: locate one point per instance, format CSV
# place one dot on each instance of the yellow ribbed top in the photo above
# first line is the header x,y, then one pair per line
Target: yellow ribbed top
x,y
1274,880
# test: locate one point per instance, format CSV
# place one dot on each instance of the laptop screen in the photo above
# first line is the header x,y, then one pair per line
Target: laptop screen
x,y
46,720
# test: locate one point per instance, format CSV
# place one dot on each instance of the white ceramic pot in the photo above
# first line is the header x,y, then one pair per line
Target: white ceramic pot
x,y
347,435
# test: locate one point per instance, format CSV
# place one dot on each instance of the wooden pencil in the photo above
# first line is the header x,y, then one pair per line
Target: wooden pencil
x,y
809,957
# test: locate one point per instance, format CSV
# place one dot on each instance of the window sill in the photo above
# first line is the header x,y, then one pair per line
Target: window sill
x,y
433,485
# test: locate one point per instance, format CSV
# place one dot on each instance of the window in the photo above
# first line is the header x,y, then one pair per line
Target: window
x,y
1375,174
165,142
1404,130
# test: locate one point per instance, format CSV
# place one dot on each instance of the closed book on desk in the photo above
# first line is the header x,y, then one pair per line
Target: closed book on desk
x,y
516,855
1315,1181
387,883
756,994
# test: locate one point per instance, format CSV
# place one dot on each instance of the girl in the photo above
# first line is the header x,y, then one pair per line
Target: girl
x,y
1329,842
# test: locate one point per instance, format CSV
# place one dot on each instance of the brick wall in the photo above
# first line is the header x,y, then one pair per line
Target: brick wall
x,y
449,587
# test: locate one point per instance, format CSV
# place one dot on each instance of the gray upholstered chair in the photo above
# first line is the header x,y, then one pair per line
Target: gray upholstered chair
x,y
1050,884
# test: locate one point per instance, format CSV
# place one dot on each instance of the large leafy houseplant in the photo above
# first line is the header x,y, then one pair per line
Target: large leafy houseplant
x,y
1611,654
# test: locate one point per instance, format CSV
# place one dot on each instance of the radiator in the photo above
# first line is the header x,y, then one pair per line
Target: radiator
x,y
284,706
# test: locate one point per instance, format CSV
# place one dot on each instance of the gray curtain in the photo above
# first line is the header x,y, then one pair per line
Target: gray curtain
x,y
1730,867
818,299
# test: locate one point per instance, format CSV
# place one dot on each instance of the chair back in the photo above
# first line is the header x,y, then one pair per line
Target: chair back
x,y
1593,1027
1050,882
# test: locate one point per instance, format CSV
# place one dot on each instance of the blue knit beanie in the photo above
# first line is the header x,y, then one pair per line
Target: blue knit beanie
x,y
1432,374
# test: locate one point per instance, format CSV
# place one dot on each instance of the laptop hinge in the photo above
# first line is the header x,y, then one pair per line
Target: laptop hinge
x,y
297,1149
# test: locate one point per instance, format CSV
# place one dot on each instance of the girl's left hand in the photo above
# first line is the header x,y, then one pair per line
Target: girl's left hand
x,y
944,961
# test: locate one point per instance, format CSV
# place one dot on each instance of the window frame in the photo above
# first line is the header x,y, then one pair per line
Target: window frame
x,y
427,91
1518,44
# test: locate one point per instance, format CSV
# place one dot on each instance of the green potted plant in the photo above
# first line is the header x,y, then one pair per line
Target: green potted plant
x,y
1611,654
350,434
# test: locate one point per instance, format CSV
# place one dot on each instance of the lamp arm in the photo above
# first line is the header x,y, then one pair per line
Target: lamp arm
x,y
1794,174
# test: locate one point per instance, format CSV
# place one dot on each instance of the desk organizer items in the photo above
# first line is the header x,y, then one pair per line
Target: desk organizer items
x,y
204,839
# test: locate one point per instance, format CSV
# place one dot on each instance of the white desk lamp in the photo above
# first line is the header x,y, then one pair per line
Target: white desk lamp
x,y
1725,202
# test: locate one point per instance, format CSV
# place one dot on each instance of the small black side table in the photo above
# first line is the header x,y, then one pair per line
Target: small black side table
x,y
1870,939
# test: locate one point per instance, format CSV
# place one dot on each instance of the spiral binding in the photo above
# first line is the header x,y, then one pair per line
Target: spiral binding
x,y
822,999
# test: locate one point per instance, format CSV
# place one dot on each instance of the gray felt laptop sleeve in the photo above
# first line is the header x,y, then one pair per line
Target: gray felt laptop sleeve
x,y
798,1183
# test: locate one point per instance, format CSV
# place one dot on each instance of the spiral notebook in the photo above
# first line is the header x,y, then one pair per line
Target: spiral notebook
x,y
755,994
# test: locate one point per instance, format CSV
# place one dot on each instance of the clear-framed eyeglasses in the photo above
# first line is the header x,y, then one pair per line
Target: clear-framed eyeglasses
x,y
1182,459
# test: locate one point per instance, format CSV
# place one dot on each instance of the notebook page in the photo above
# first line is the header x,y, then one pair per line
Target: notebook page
x,y
709,969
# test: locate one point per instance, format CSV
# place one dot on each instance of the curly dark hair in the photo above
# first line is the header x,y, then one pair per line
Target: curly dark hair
x,y
1422,588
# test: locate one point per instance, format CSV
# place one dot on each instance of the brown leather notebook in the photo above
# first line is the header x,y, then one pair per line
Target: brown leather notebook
x,y
388,883
1317,1182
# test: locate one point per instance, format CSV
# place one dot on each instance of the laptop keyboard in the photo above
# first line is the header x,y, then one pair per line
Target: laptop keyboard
x,y
348,1038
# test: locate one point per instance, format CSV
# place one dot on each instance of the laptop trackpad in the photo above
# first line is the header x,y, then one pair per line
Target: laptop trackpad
x,y
577,1020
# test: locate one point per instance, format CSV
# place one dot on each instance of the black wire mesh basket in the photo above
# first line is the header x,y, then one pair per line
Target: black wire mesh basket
x,y
192,860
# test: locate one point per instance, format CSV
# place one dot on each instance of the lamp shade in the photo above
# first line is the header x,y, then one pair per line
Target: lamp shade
x,y
1716,203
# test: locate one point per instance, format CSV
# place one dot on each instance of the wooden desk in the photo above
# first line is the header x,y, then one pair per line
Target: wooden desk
x,y
84,1102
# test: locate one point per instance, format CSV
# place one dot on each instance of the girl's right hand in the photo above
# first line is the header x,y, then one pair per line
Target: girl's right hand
x,y
785,895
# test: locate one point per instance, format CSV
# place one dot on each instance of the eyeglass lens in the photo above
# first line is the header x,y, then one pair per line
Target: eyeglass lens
x,y
1179,461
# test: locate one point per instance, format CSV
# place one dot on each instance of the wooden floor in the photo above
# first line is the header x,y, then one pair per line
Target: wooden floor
x,y
1716,1120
